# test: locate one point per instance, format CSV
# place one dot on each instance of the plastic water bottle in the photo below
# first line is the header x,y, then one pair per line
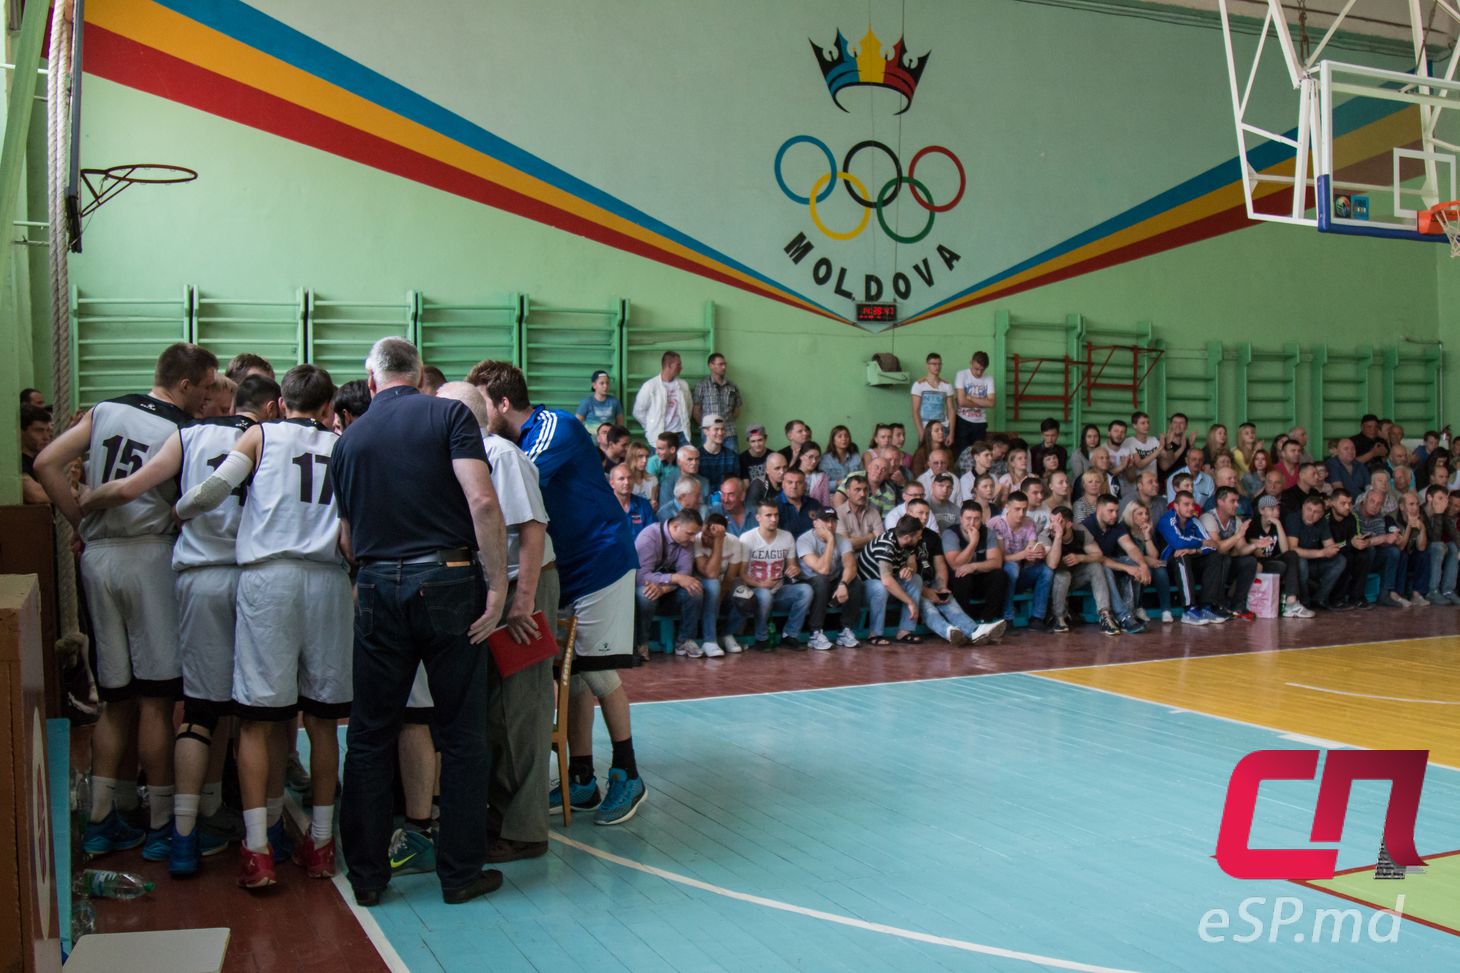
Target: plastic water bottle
x,y
83,919
101,884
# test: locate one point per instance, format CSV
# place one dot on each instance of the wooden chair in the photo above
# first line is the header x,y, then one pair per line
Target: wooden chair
x,y
560,715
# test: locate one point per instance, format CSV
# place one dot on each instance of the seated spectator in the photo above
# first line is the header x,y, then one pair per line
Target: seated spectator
x,y
1147,493
797,435
752,461
1399,455
1192,556
770,568
1386,539
818,487
1307,486
1039,507
932,397
1403,480
985,494
841,457
829,567
1057,492
638,510
640,482
1443,546
913,492
886,568
1120,562
1245,449
899,442
35,435
1371,445
1013,480
1381,484
1175,443
1251,483
1002,445
739,516
1290,458
1092,487
716,461
768,487
688,495
687,467
975,461
859,521
666,451
898,474
935,437
719,559
1412,579
1049,434
1100,460
1225,525
666,580
1202,487
598,406
1226,476
1346,470
1267,542
615,449
939,463
1121,451
1320,562
1143,534
1023,559
1300,435
1181,481
796,508
1049,463
976,565
1080,458
1070,559
1216,445
938,609
1420,453
882,495
1355,550
940,500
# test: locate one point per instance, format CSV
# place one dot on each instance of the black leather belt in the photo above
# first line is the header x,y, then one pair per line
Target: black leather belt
x,y
452,556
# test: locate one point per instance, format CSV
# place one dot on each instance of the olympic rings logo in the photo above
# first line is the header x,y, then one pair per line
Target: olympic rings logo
x,y
827,182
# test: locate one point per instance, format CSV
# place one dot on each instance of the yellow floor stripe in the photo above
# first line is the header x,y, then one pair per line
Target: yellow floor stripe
x,y
1391,695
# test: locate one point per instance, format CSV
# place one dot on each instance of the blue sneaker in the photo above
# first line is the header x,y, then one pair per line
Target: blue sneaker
x,y
158,847
1195,616
583,796
411,851
111,833
281,841
185,853
623,798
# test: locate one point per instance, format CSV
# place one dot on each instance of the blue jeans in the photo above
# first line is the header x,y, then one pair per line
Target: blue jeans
x,y
1023,576
406,615
1125,591
940,619
792,598
689,605
877,596
1386,562
1444,559
1327,570
710,614
1413,575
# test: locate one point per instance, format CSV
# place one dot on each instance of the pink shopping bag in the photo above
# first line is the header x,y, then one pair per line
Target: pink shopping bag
x,y
1263,599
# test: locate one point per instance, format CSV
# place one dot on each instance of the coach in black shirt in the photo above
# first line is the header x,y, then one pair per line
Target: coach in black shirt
x,y
417,504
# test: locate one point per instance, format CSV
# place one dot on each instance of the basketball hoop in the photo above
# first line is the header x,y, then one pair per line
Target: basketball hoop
x,y
105,184
1443,218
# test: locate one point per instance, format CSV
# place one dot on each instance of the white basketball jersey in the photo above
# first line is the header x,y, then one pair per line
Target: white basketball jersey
x,y
291,511
209,539
125,433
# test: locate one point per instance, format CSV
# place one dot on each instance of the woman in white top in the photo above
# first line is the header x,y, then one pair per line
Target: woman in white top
x,y
1018,473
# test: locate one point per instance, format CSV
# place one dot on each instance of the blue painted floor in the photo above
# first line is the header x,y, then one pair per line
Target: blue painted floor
x,y
1006,812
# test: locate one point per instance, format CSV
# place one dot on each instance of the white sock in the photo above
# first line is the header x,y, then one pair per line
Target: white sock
x,y
212,800
256,828
126,793
185,813
322,824
103,797
275,807
159,799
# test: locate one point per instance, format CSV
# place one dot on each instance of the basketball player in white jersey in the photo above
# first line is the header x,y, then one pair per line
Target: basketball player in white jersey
x,y
207,590
126,571
294,640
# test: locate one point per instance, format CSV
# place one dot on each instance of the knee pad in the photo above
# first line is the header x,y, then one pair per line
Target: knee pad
x,y
202,713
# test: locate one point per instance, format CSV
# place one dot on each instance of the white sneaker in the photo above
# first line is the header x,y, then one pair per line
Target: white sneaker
x,y
712,651
690,648
1418,600
1167,618
1296,609
988,632
1400,600
731,646
847,639
819,641
1141,616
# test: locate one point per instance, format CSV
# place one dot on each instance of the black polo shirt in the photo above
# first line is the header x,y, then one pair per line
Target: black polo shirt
x,y
393,477
1107,540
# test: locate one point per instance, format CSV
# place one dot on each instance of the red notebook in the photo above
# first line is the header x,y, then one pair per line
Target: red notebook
x,y
513,656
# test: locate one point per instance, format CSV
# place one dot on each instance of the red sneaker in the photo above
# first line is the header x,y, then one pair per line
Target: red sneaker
x,y
256,868
317,862
1246,616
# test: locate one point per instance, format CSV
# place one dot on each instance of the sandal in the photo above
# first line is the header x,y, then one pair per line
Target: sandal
x,y
879,640
909,639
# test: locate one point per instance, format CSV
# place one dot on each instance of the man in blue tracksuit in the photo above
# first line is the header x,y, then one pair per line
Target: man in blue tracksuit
x,y
1190,555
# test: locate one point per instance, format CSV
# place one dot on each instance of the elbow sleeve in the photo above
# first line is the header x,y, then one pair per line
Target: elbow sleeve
x,y
229,476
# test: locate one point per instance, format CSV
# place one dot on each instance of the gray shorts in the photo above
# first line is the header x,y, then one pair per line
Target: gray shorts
x,y
130,592
207,599
295,640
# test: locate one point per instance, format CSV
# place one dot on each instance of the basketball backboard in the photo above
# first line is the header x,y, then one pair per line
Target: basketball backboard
x,y
1365,148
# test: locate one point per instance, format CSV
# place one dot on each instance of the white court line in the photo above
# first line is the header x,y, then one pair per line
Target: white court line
x,y
1036,672
368,923
1387,699
922,937
1285,734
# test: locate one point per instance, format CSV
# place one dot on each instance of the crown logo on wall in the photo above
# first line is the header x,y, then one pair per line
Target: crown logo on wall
x,y
844,69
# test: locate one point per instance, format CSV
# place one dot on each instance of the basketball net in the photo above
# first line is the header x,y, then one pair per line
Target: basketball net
x,y
1449,221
